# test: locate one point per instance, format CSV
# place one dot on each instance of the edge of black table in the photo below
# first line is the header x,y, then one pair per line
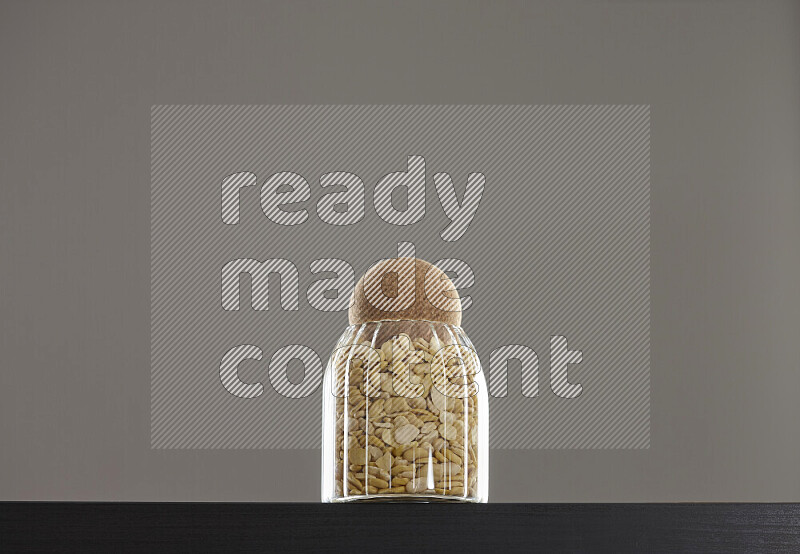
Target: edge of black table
x,y
271,527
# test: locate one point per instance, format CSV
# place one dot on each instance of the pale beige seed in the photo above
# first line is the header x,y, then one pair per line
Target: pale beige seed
x,y
417,403
427,427
374,452
414,454
380,473
448,418
415,486
414,420
358,456
405,433
455,491
388,437
450,485
380,483
452,456
446,469
385,461
401,468
452,432
398,405
386,383
355,482
386,348
430,437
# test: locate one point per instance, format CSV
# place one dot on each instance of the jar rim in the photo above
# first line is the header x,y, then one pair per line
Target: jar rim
x,y
430,321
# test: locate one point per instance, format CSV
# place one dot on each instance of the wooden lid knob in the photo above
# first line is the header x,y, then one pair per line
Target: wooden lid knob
x,y
405,288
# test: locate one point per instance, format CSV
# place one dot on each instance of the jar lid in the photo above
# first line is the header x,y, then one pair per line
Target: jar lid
x,y
405,288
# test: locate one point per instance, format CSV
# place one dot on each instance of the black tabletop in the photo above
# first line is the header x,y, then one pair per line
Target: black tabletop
x,y
211,527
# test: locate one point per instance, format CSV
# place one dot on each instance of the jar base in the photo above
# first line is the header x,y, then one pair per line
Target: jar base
x,y
412,498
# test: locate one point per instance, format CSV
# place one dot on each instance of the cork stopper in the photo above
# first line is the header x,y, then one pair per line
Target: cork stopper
x,y
405,288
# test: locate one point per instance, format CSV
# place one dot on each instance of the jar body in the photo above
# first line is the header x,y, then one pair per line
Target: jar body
x,y
405,415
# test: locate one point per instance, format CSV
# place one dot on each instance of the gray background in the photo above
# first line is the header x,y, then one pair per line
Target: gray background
x,y
78,81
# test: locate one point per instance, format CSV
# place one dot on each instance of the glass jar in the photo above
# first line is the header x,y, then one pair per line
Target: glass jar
x,y
405,415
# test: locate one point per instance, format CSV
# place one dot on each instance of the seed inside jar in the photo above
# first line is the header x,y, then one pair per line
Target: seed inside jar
x,y
406,418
